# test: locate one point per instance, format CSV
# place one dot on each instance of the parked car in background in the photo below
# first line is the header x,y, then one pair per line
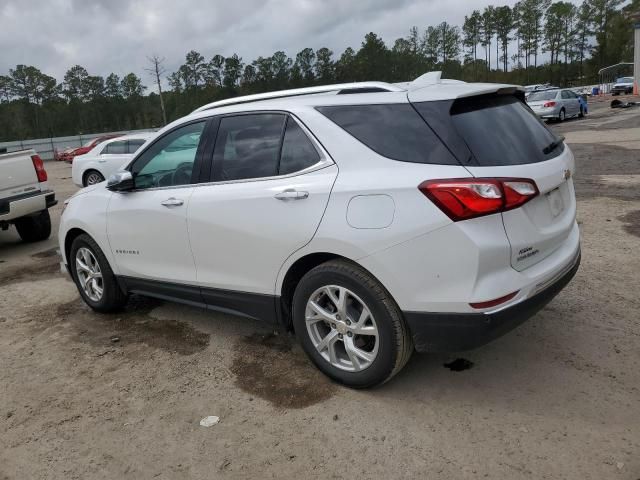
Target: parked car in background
x,y
370,218
106,158
25,196
623,86
70,153
556,104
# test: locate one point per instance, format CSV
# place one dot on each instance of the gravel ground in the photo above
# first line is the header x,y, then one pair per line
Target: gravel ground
x,y
89,396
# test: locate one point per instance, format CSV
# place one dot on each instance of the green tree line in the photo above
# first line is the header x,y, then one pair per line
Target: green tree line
x,y
498,44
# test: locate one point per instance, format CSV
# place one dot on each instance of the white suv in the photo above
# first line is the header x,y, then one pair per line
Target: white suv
x,y
371,218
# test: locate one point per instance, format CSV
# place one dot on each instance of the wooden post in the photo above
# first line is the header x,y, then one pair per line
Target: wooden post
x,y
636,52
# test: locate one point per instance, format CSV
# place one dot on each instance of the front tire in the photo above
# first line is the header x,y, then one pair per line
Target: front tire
x,y
92,177
349,325
93,276
34,228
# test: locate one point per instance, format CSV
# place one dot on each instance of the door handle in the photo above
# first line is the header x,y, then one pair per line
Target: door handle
x,y
172,202
291,194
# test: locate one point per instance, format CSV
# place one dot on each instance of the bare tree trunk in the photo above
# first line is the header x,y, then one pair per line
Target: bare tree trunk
x,y
156,70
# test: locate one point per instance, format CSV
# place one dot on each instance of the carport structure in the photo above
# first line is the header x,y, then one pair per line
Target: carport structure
x,y
608,75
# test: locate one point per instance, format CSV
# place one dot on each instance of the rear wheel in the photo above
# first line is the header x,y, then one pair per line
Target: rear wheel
x,y
34,228
562,116
93,276
349,325
91,177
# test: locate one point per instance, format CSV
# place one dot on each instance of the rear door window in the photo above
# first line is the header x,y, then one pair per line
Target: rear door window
x,y
496,130
395,131
248,146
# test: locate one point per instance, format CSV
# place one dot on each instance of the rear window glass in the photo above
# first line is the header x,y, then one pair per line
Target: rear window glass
x,y
535,96
395,131
298,152
502,131
134,145
116,148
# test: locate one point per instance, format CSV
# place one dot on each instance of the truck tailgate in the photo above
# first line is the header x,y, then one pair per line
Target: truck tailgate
x,y
17,174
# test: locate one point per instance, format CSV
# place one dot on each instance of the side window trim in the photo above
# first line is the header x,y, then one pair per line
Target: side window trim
x,y
325,158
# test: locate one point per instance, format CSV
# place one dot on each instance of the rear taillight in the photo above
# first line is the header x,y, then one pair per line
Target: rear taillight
x,y
549,104
461,199
38,164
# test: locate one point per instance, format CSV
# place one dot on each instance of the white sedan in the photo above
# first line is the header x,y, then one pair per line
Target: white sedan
x,y
106,158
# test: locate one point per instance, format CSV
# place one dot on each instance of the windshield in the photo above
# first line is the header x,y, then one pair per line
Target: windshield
x,y
545,95
625,80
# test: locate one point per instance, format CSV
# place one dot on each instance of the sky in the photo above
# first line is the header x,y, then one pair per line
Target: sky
x,y
117,36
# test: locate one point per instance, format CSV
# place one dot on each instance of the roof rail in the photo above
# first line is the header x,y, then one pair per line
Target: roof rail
x,y
356,87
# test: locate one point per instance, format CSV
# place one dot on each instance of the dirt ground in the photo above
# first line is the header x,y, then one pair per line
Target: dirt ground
x,y
87,396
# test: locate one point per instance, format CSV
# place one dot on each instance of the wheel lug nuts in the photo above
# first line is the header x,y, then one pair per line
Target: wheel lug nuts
x,y
348,322
333,325
340,335
350,334
337,317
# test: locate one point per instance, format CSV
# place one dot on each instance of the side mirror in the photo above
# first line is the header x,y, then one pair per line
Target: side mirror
x,y
120,182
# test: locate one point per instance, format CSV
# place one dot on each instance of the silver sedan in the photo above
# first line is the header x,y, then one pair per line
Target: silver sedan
x,y
556,104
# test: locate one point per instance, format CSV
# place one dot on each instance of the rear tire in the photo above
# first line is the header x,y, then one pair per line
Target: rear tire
x,y
34,228
93,276
92,177
354,356
562,116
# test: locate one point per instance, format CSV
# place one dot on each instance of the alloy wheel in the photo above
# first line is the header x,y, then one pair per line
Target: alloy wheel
x,y
89,274
342,328
94,178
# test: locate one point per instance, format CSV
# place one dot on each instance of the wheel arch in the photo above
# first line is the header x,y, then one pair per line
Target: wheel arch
x,y
298,269
70,236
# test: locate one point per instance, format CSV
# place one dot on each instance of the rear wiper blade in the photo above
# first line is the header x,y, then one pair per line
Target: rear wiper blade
x,y
553,145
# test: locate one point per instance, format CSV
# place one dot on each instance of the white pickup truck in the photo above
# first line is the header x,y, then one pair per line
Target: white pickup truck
x,y
25,196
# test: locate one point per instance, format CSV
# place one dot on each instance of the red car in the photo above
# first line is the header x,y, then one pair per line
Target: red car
x,y
68,154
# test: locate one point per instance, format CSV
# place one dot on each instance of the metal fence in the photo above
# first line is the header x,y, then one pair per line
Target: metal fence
x,y
45,147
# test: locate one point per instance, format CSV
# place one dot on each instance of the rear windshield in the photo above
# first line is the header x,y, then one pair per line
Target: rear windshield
x,y
395,131
497,130
502,131
542,95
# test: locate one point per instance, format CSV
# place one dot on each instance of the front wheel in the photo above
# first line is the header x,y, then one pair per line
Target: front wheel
x,y
93,276
34,228
349,325
92,177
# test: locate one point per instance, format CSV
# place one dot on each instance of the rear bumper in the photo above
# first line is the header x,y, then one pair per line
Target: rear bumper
x,y
26,204
451,332
553,112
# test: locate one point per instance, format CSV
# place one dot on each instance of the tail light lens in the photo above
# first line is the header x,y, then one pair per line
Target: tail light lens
x,y
462,199
38,164
549,104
